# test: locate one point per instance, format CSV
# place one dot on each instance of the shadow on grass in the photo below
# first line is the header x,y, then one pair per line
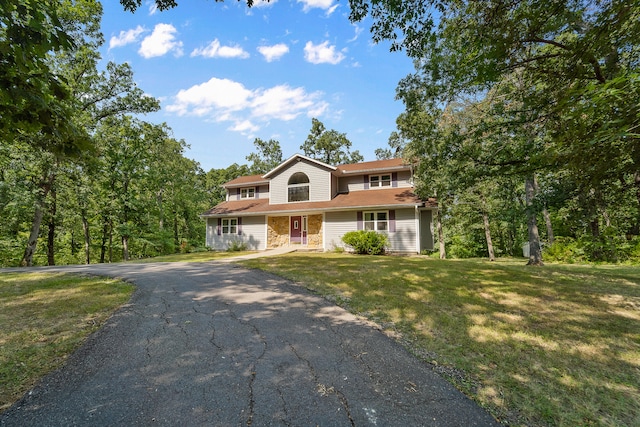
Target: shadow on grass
x,y
554,345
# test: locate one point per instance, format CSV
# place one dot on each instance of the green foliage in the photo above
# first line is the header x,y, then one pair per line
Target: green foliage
x,y
609,247
267,156
366,242
329,146
236,245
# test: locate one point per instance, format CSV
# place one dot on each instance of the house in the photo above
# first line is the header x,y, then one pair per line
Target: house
x,y
309,204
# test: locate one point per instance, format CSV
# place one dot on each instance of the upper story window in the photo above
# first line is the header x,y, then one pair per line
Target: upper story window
x,y
379,181
248,193
298,187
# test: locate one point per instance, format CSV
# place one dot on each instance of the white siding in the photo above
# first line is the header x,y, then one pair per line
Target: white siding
x,y
336,224
356,182
253,234
262,192
319,182
402,240
351,183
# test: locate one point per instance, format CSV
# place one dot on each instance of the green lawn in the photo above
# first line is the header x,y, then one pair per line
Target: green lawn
x,y
44,318
203,256
557,345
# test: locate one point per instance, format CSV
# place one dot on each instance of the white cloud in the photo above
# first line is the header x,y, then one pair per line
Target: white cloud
x,y
126,37
285,103
244,127
322,53
319,4
358,31
216,95
161,42
216,50
224,100
275,52
263,3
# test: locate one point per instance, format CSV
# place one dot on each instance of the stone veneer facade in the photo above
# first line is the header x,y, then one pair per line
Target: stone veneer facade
x,y
314,231
278,231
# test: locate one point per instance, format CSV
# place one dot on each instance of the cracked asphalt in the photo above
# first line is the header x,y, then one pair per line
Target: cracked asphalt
x,y
216,344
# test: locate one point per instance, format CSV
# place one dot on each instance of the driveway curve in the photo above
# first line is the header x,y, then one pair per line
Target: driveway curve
x,y
219,345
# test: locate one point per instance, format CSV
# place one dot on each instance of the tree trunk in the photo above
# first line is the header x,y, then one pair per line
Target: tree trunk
x,y
547,221
27,258
125,248
545,213
176,240
535,254
443,253
487,233
103,242
87,236
110,240
45,186
636,179
160,210
51,235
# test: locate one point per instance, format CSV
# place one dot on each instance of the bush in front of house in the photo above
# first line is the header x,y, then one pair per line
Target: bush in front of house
x,y
236,245
366,242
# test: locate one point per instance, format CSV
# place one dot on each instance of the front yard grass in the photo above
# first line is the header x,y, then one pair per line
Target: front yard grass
x,y
556,345
203,256
44,318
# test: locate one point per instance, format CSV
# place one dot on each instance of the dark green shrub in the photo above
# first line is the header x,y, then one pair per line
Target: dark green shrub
x,y
366,242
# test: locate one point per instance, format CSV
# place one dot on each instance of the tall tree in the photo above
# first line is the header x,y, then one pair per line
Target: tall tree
x,y
329,146
267,156
94,96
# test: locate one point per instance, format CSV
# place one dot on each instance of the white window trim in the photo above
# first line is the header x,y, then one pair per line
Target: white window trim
x,y
375,220
229,224
378,183
291,186
245,193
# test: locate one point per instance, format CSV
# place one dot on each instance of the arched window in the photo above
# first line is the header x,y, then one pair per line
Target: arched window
x,y
298,187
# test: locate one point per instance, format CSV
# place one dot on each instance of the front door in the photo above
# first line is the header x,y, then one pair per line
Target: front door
x,y
295,235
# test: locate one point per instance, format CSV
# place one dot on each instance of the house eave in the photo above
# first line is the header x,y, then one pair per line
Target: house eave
x,y
321,209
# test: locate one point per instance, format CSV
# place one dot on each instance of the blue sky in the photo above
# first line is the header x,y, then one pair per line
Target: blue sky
x,y
226,74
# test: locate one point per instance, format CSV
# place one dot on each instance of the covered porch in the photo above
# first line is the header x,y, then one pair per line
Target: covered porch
x,y
295,230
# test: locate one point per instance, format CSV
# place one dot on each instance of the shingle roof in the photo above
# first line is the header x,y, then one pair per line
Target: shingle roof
x,y
391,197
246,180
373,165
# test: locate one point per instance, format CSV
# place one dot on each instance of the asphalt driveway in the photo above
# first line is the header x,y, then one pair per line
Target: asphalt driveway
x,y
219,345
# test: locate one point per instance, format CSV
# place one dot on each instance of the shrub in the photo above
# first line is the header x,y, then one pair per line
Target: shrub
x,y
366,242
236,245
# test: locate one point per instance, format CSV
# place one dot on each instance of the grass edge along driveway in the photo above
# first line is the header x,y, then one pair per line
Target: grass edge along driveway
x,y
44,317
557,345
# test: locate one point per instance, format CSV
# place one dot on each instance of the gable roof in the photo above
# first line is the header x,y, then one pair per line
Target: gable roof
x,y
294,158
386,198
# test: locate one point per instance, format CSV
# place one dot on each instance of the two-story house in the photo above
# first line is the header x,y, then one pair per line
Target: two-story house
x,y
309,204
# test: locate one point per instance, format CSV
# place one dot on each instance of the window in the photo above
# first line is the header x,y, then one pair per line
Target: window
x,y
248,193
229,225
379,181
298,187
378,221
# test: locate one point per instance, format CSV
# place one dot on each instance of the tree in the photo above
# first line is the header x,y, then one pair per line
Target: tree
x,y
329,146
217,177
267,156
34,97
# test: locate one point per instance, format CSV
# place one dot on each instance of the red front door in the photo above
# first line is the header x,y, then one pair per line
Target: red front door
x,y
295,235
